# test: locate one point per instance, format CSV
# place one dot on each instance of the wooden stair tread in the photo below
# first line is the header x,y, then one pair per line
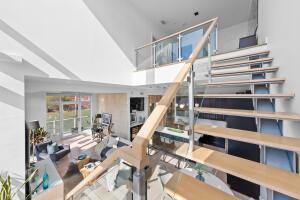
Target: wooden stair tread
x,y
267,176
240,63
279,142
243,55
183,187
250,113
246,71
248,96
247,82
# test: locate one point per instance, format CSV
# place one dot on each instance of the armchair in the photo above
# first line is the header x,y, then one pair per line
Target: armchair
x,y
41,151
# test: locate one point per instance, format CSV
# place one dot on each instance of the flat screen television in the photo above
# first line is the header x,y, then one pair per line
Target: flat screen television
x,y
137,103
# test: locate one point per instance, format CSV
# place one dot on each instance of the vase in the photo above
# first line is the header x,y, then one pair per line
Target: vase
x,y
45,180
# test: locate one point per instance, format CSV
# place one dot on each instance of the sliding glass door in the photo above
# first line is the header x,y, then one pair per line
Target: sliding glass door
x,y
68,115
71,118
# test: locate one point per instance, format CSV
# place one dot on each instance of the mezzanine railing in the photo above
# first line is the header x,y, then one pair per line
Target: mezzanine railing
x,y
176,47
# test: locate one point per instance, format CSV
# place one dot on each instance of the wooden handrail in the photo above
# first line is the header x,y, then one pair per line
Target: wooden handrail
x,y
177,33
136,155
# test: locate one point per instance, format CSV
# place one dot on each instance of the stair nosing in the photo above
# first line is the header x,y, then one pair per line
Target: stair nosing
x,y
247,82
268,176
248,96
266,139
242,63
250,113
262,52
245,72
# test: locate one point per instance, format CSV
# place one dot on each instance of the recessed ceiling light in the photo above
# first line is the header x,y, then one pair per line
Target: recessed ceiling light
x,y
163,22
196,13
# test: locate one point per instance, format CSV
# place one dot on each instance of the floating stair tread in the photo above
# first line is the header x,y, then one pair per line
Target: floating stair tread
x,y
250,113
246,82
244,55
280,142
183,187
248,96
267,176
246,71
240,63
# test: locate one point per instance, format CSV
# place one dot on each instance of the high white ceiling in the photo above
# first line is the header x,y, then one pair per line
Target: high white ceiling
x,y
179,14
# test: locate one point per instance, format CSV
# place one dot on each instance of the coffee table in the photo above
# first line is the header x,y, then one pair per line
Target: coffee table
x,y
85,172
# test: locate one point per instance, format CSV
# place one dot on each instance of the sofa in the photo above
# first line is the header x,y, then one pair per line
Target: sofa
x,y
109,145
41,151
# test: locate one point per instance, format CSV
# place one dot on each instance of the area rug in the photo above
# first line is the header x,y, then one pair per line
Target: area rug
x,y
71,178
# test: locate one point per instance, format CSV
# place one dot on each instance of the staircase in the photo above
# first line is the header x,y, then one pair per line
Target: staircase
x,y
276,172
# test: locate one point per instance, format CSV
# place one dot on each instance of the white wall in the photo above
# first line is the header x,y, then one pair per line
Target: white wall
x,y
279,23
229,37
117,105
59,39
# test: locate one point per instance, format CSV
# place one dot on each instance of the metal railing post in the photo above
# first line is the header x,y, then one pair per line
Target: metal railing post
x,y
154,55
191,108
209,58
136,58
217,35
139,185
179,48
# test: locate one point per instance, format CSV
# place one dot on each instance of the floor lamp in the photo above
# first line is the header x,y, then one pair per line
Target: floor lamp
x,y
32,126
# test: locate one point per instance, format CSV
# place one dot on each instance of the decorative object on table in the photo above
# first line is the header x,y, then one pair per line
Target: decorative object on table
x,y
82,156
45,180
176,130
199,168
42,153
6,191
90,166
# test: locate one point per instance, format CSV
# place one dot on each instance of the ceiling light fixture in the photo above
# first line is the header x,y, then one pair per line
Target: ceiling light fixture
x,y
196,13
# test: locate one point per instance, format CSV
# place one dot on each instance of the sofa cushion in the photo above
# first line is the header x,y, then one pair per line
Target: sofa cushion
x,y
44,156
52,148
112,141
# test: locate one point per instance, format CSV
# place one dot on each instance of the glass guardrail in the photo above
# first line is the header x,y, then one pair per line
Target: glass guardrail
x,y
176,48
115,183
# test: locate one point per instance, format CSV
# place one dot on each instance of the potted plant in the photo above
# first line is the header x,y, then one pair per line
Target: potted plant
x,y
6,191
199,168
38,135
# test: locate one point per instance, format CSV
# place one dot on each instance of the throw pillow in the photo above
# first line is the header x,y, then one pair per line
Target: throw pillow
x,y
50,149
56,149
112,141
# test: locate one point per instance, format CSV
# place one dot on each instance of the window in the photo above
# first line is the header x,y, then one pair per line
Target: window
x,y
68,114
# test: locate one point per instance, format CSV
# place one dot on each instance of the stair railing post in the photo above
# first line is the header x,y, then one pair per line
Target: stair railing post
x,y
209,58
136,58
179,47
154,55
217,36
139,186
191,108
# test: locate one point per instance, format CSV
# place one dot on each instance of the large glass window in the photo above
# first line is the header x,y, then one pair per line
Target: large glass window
x,y
53,115
86,112
68,114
